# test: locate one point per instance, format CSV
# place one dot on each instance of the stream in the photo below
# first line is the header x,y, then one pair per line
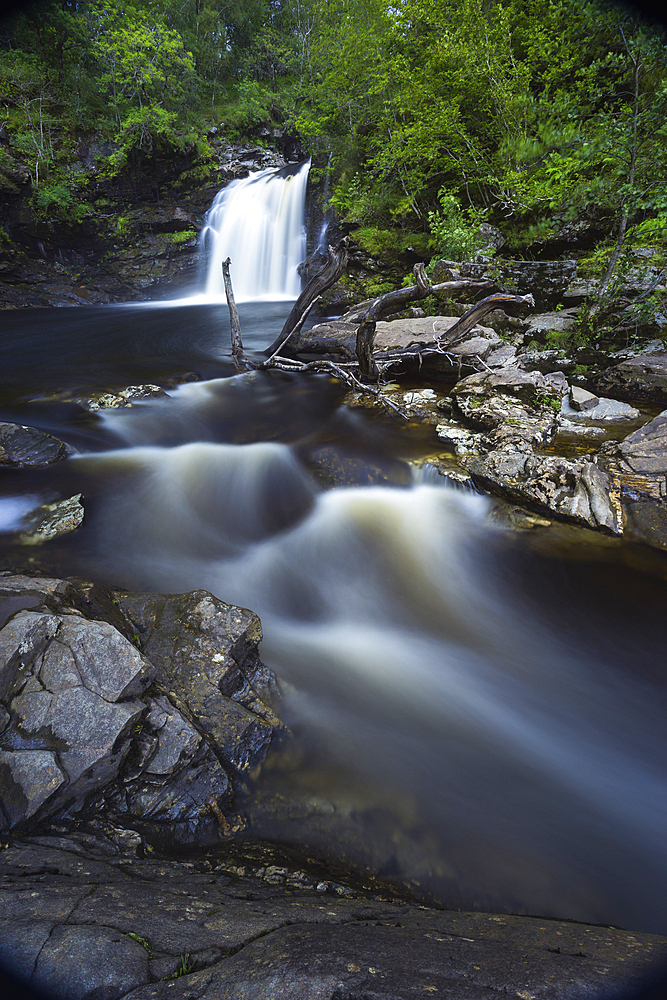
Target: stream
x,y
479,713
478,710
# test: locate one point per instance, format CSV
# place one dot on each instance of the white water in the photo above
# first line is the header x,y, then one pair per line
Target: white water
x,y
258,222
523,741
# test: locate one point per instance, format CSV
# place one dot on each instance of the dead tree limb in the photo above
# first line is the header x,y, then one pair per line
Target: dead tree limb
x,y
396,300
328,276
341,372
238,353
478,311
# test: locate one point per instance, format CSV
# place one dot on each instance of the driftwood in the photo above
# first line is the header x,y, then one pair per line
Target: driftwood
x,y
240,360
396,300
328,276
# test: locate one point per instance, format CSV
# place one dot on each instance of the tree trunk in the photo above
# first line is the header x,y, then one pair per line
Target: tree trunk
x,y
396,300
238,353
328,276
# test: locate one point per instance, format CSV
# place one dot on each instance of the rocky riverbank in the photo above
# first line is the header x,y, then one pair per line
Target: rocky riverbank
x,y
129,723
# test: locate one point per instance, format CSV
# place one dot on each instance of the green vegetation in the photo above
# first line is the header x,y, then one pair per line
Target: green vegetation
x,y
437,114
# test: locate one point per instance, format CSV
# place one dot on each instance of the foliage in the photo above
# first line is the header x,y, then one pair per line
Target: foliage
x,y
455,234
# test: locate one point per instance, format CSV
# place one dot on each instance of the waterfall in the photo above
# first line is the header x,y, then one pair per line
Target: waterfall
x,y
259,223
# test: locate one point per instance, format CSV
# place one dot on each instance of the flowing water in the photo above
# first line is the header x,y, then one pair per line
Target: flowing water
x,y
480,711
258,222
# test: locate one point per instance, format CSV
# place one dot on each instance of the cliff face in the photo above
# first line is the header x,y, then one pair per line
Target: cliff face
x,y
136,239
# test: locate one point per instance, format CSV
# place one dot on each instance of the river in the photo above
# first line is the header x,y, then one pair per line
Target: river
x,y
479,710
480,713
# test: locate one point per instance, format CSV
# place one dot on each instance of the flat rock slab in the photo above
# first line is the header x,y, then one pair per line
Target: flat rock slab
x,y
85,923
607,411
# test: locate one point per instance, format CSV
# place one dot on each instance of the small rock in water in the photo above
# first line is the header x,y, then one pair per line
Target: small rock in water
x,y
25,446
53,519
582,399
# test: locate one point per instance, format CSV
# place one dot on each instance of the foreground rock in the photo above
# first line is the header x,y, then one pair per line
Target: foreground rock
x,y
26,446
148,707
103,925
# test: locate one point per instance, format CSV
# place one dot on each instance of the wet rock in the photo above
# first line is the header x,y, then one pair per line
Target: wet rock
x,y
205,655
70,688
639,463
640,378
84,923
512,413
122,398
53,519
26,446
333,466
77,720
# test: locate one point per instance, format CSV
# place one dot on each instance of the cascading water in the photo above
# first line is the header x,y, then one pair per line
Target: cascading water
x,y
259,223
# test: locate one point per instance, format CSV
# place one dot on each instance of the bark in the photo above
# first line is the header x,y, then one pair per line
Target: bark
x,y
238,353
328,276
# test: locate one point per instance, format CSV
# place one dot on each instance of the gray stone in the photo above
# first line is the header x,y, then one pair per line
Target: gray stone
x,y
641,378
53,519
582,399
96,921
26,446
557,322
28,778
124,397
211,669
605,411
90,963
176,737
69,686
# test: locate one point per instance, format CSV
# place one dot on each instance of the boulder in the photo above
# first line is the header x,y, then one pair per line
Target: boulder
x,y
546,280
639,463
511,414
641,378
154,737
26,446
70,689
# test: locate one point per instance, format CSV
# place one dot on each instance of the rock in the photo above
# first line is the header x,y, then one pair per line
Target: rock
x,y
82,922
639,463
77,722
26,446
544,361
513,412
53,519
124,397
551,322
70,688
635,281
605,411
210,668
546,280
582,399
640,378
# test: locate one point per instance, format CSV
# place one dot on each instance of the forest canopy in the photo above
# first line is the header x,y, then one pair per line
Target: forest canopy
x,y
431,115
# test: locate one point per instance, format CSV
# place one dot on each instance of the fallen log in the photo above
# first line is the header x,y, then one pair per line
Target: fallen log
x,y
328,276
392,301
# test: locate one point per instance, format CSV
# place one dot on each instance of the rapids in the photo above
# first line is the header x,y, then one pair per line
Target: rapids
x,y
488,706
